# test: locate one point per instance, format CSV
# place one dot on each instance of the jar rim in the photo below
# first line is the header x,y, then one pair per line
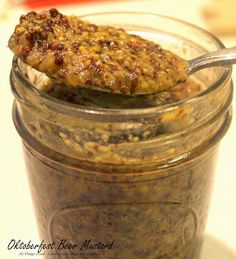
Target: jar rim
x,y
223,76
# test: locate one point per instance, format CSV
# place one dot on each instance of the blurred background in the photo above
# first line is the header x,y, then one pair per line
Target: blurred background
x,y
217,15
17,217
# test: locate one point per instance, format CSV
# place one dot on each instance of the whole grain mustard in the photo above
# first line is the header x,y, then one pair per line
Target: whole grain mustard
x,y
81,54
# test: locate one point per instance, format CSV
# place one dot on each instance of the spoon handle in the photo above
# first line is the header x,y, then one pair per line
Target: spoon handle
x,y
221,57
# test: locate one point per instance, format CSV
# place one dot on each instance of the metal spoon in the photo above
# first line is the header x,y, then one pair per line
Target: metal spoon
x,y
98,98
226,56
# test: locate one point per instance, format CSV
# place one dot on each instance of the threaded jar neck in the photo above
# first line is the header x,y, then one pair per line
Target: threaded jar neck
x,y
162,135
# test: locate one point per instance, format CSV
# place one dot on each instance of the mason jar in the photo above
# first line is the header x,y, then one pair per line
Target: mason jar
x,y
125,183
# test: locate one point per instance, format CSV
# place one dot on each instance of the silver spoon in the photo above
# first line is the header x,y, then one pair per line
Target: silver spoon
x,y
226,56
221,57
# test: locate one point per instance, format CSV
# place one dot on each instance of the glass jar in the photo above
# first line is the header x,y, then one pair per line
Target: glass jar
x,y
125,183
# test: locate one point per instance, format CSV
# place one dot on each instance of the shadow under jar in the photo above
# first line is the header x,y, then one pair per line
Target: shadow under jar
x,y
136,182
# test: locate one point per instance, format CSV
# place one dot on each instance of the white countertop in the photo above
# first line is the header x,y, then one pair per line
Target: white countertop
x,y
17,216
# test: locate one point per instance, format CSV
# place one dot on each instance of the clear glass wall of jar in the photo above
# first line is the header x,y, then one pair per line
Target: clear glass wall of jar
x,y
136,180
